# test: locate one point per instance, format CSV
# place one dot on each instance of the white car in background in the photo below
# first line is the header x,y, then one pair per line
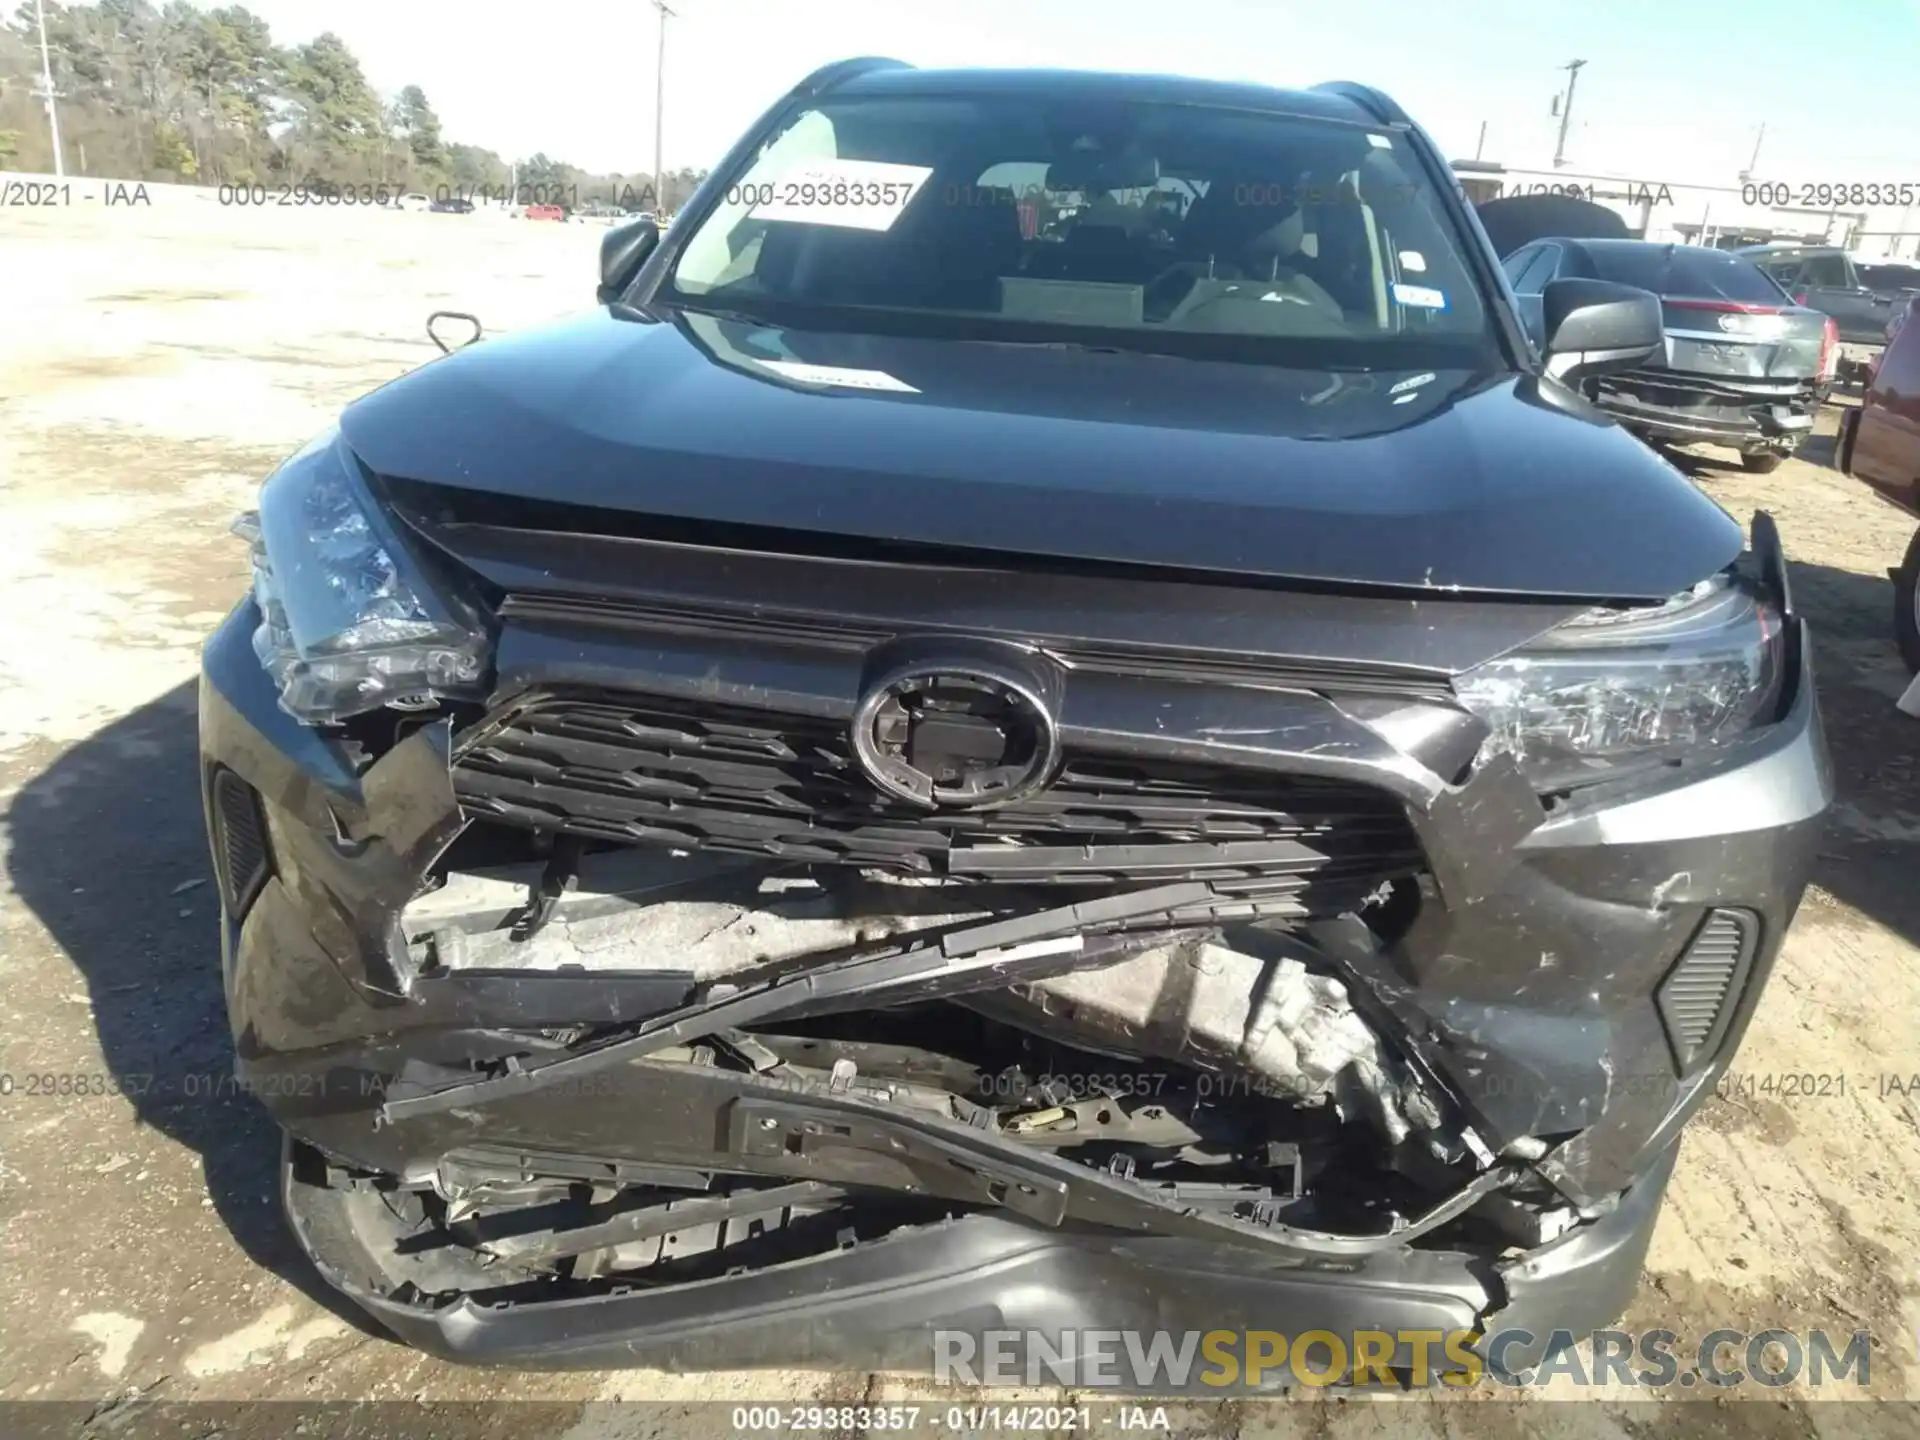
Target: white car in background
x,y
412,200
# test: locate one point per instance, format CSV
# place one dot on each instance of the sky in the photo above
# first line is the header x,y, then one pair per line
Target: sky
x,y
1673,90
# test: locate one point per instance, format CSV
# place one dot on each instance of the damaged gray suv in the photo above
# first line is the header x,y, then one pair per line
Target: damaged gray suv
x,y
1047,717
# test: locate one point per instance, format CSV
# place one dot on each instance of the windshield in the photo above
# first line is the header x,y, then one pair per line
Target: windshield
x,y
1149,225
1688,271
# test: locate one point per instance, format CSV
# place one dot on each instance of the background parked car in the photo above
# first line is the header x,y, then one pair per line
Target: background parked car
x,y
543,212
1880,444
453,205
1825,278
1744,366
412,200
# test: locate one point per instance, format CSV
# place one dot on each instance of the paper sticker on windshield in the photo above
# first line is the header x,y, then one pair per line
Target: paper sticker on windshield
x,y
1379,142
834,375
1413,262
855,194
1421,297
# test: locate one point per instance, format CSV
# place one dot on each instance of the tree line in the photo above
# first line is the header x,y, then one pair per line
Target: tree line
x,y
207,96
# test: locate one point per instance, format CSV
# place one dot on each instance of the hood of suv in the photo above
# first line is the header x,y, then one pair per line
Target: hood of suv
x,y
1413,480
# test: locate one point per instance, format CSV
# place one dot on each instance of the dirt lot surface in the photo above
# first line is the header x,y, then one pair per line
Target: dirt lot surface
x,y
155,363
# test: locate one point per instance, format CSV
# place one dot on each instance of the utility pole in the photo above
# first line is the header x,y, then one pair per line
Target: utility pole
x,y
1566,112
660,109
1753,165
1480,148
47,92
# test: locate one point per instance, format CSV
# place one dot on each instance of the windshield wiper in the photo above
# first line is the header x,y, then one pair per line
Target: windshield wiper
x,y
1083,347
720,312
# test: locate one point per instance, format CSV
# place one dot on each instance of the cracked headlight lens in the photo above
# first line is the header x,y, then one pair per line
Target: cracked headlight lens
x,y
1611,686
346,625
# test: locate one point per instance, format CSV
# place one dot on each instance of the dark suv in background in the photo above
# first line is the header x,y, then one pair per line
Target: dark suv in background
x,y
1826,278
1049,717
1891,278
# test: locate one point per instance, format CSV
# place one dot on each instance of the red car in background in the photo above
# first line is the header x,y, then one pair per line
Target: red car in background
x,y
544,212
1880,444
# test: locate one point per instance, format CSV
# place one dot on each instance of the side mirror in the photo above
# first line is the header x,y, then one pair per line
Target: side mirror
x,y
1595,327
623,250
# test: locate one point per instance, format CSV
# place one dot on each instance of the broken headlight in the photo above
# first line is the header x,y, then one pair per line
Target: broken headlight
x,y
347,623
1615,685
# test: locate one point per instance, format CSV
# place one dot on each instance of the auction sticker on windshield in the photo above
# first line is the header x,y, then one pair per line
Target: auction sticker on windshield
x,y
1421,297
858,194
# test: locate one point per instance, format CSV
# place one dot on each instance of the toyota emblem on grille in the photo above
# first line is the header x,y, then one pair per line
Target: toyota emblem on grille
x,y
960,737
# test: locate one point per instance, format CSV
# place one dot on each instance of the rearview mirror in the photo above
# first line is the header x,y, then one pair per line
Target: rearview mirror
x,y
1095,172
623,250
1595,327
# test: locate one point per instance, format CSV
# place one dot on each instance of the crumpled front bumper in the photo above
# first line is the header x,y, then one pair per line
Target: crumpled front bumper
x,y
1686,408
878,1306
1537,1001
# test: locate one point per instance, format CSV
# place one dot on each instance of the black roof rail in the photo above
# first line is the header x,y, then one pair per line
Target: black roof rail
x,y
1373,101
839,71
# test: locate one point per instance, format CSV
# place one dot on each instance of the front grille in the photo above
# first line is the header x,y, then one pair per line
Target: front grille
x,y
652,771
240,841
1698,997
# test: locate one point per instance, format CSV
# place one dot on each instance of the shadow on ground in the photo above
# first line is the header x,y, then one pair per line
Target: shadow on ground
x,y
1818,448
102,842
1815,450
1868,853
1871,848
1867,857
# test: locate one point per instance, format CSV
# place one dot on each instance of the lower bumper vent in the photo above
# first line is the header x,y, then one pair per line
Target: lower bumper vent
x,y
240,841
1700,994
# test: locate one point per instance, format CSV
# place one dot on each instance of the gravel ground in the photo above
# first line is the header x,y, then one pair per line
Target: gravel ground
x,y
154,363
